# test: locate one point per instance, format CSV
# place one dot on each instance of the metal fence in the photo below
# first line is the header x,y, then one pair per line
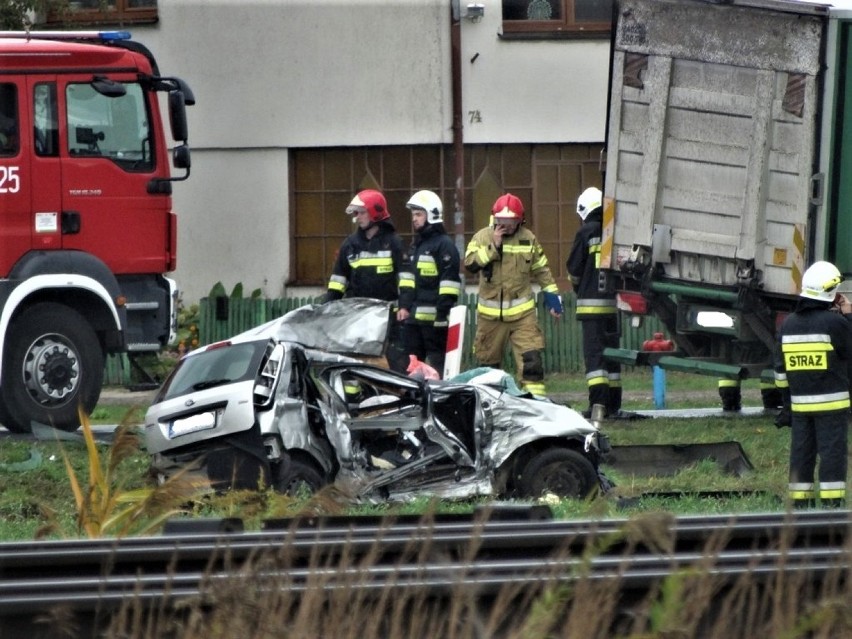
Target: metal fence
x,y
223,317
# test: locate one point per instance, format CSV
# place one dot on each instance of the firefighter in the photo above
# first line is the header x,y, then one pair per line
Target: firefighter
x,y
430,283
506,256
596,309
812,369
369,263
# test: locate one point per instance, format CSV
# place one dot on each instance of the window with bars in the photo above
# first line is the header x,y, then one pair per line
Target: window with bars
x,y
547,178
557,17
103,12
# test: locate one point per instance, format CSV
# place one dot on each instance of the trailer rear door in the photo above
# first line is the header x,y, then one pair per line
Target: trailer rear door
x,y
711,140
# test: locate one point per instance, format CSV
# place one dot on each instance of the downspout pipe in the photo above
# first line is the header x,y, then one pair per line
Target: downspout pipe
x,y
458,133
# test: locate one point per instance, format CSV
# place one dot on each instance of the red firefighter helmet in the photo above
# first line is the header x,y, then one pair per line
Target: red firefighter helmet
x,y
508,207
371,201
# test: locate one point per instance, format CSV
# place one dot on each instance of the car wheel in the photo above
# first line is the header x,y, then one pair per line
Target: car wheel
x,y
296,477
559,471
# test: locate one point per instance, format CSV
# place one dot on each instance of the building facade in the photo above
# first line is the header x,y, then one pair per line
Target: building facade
x,y
301,103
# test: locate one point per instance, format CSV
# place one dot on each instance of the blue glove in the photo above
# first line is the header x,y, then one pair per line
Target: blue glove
x,y
553,301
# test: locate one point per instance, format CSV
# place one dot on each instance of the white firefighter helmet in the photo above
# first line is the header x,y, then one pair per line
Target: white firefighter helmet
x,y
430,203
589,200
820,282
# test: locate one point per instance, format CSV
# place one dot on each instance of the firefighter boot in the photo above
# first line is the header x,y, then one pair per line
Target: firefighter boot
x,y
731,396
532,375
771,397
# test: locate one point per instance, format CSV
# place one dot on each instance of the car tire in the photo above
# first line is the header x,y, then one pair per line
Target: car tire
x,y
560,471
55,338
296,477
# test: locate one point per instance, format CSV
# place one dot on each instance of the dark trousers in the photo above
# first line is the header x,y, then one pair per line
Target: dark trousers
x,y
396,354
603,377
427,342
824,436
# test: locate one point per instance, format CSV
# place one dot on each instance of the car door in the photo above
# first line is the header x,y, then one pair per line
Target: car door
x,y
45,178
16,173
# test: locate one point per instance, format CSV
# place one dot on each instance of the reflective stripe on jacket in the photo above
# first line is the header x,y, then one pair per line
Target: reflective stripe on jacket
x,y
505,274
584,268
368,267
430,284
812,360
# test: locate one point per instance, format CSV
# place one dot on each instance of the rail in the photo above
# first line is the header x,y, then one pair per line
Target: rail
x,y
435,557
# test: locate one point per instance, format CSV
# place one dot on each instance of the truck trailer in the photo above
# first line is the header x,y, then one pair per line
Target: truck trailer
x,y
728,151
87,231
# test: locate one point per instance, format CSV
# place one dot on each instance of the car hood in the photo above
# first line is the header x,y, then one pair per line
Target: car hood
x,y
516,421
353,326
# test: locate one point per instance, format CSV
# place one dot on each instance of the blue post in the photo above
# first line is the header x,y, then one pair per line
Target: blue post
x,y
659,388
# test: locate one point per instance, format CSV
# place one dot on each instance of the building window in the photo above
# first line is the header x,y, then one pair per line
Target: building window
x,y
557,17
325,181
118,12
547,178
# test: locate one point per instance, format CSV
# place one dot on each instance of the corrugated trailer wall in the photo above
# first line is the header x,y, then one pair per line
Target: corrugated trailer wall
x,y
839,143
711,142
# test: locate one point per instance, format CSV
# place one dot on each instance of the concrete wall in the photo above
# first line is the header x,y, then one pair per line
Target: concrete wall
x,y
532,91
269,75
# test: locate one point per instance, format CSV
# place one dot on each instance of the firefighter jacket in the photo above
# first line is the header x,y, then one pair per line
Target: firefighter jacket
x,y
368,267
812,359
504,273
584,263
430,284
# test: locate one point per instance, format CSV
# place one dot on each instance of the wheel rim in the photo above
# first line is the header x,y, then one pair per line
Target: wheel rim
x,y
51,370
299,486
560,479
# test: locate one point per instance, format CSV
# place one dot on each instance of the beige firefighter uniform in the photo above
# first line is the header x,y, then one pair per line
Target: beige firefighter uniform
x,y
506,310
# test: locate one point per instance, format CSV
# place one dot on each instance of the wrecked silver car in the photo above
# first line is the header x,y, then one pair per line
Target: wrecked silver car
x,y
288,405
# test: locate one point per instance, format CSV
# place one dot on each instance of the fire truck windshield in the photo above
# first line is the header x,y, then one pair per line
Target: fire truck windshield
x,y
111,127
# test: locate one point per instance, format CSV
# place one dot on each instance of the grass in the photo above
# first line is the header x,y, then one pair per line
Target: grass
x,y
682,390
258,602
26,494
114,414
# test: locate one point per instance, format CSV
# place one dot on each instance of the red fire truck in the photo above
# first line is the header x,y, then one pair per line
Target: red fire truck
x,y
87,229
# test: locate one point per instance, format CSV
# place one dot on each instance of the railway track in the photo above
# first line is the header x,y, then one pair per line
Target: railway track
x,y
520,550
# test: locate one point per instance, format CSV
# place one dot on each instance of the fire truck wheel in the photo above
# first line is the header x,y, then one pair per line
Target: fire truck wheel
x,y
560,471
53,364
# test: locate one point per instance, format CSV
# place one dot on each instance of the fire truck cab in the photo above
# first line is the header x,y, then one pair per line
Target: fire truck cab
x,y
87,230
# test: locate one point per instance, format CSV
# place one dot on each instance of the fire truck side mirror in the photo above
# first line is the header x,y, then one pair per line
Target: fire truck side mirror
x,y
177,116
181,158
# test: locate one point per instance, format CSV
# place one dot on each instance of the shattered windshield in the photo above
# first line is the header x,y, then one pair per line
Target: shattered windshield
x,y
221,364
